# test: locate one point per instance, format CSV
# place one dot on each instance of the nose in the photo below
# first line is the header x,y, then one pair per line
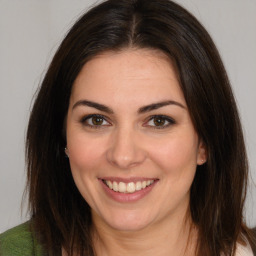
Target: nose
x,y
125,149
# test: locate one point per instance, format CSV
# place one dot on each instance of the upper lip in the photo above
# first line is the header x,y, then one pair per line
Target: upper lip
x,y
127,180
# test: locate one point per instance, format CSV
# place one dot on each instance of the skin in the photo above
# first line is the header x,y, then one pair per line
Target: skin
x,y
128,144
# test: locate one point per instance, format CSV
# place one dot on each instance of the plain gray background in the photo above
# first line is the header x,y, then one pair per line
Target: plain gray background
x,y
30,32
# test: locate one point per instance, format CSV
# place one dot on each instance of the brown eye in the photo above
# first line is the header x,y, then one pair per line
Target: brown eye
x,y
159,121
97,120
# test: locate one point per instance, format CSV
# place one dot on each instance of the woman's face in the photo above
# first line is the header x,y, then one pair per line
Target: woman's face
x,y
132,147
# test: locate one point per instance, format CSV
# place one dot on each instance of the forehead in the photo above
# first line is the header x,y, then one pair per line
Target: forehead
x,y
128,73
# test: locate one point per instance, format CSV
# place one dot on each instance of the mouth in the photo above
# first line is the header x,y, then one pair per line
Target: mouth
x,y
129,187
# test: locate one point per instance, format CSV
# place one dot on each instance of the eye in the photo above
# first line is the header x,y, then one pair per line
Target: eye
x,y
160,122
95,121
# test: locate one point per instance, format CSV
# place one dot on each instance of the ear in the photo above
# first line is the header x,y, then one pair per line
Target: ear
x,y
66,152
201,154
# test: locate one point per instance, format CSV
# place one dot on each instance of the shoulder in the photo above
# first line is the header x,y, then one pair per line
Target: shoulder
x,y
19,241
243,250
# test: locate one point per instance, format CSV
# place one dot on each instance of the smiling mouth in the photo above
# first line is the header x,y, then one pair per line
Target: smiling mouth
x,y
130,187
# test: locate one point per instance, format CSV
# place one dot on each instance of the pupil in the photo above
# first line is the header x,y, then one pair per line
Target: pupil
x,y
159,121
97,120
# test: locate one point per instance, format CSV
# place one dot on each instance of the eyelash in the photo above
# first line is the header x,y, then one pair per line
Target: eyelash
x,y
164,118
85,119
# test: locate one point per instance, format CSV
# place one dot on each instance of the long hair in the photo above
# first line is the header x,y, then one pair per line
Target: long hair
x,y
60,215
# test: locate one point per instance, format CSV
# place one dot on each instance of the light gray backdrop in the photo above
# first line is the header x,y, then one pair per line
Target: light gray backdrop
x,y
31,30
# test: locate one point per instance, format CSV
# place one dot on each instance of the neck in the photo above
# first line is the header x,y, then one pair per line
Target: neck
x,y
168,237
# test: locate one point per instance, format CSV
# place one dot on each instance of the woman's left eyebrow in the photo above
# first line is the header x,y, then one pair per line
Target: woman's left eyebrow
x,y
159,105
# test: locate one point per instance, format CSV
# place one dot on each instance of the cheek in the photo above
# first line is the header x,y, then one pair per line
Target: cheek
x,y
84,157
177,161
177,156
84,152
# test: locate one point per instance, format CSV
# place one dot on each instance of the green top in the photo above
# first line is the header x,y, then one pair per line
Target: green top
x,y
19,241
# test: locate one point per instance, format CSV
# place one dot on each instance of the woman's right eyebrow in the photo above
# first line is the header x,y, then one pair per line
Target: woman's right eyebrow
x,y
92,104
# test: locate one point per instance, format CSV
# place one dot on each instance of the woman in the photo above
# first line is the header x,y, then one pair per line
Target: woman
x,y
134,144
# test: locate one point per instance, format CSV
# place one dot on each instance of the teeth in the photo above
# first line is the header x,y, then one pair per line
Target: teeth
x,y
115,186
138,186
109,183
122,187
130,187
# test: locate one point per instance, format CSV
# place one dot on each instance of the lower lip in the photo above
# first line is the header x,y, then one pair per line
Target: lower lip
x,y
127,197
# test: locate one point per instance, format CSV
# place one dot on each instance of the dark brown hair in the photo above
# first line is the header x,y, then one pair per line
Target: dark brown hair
x,y
60,215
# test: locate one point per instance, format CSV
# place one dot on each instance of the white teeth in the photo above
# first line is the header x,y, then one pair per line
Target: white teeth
x,y
122,187
138,185
130,187
109,183
115,186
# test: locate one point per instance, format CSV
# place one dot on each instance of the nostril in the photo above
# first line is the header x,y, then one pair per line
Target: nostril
x,y
125,152
125,161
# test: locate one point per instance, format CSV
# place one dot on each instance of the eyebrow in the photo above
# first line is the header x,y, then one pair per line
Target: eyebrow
x,y
92,104
159,105
141,110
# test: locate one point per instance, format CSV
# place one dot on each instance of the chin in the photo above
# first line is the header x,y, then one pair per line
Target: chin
x,y
128,226
127,221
